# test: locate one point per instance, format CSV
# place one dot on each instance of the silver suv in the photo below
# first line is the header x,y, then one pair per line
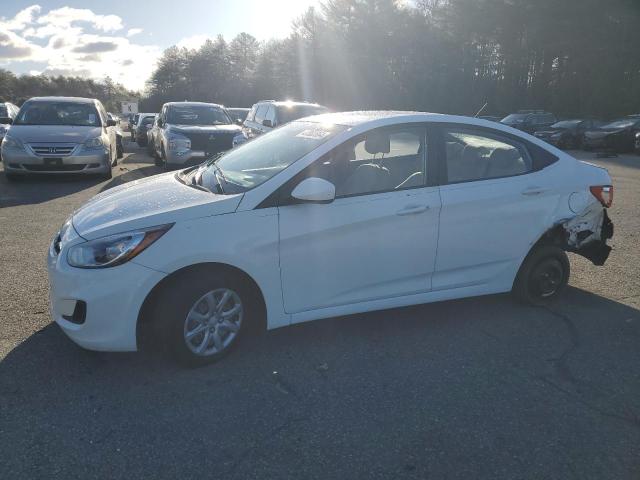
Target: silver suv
x,y
60,135
189,132
266,115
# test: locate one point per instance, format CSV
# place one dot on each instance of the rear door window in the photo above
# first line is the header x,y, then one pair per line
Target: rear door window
x,y
477,155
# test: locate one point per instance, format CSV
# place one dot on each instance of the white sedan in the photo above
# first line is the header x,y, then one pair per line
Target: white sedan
x,y
326,216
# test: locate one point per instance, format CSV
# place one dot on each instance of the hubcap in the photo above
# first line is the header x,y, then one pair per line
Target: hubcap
x,y
213,322
546,278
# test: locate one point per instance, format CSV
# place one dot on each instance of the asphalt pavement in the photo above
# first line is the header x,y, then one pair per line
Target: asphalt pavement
x,y
470,389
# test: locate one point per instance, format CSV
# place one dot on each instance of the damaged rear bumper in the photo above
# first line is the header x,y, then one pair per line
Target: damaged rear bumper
x,y
587,234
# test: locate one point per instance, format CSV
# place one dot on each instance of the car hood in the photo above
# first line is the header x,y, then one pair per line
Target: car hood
x,y
187,129
54,133
152,201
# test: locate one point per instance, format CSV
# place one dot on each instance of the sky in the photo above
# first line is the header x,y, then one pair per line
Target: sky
x,y
124,39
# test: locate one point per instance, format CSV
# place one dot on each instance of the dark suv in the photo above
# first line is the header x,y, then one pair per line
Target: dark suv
x,y
266,115
530,121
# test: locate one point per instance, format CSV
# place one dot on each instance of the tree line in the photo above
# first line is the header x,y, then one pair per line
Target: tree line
x,y
17,89
571,57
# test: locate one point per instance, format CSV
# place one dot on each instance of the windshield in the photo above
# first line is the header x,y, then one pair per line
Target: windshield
x,y
58,113
288,114
257,161
624,123
148,120
566,124
515,118
197,115
3,111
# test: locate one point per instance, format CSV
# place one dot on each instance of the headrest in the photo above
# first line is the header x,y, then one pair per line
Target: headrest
x,y
501,156
377,142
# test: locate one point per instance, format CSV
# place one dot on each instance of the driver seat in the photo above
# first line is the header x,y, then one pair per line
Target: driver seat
x,y
370,177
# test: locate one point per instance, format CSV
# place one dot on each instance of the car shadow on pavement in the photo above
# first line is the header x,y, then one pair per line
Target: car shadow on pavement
x,y
426,377
36,189
582,320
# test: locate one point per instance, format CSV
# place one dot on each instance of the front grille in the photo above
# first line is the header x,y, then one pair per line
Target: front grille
x,y
55,168
49,149
211,142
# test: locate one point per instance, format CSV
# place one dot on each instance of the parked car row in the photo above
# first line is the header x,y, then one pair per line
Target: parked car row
x,y
620,135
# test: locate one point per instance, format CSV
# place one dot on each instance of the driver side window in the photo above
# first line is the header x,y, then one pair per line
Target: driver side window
x,y
380,160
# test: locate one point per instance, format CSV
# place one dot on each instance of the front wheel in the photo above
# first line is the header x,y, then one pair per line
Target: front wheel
x,y
543,276
203,317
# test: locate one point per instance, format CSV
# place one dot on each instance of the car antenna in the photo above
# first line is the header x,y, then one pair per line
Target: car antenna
x,y
480,111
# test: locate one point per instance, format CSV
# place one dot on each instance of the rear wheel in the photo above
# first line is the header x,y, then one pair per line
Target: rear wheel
x,y
202,317
543,276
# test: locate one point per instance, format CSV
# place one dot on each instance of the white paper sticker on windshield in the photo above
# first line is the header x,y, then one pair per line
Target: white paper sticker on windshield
x,y
314,133
92,118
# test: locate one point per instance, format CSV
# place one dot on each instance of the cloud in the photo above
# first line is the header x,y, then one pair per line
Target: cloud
x,y
22,19
96,47
12,46
193,42
133,31
58,42
67,15
78,42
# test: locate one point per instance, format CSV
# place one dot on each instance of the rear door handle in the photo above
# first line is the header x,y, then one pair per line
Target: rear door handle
x,y
531,191
413,210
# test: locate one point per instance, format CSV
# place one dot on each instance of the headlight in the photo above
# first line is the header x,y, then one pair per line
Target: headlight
x,y
114,249
94,143
239,139
178,143
10,142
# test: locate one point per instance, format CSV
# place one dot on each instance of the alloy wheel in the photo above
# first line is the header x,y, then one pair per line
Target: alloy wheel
x,y
213,322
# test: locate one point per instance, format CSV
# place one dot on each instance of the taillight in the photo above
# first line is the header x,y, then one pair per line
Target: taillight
x,y
604,194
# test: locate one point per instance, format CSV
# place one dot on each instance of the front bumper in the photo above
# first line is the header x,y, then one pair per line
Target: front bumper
x,y
185,158
86,162
112,299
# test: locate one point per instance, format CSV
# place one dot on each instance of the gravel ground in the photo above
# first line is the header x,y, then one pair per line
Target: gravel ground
x,y
475,388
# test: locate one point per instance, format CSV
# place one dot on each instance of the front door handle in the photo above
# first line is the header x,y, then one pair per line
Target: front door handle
x,y
413,210
531,191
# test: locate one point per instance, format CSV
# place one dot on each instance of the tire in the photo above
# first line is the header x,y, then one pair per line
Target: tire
x,y
109,174
163,158
543,276
199,303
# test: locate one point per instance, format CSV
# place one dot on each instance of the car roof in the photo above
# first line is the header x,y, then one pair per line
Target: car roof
x,y
63,99
289,103
374,119
351,119
189,104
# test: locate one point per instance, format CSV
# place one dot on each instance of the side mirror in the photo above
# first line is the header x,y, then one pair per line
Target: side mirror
x,y
6,120
314,190
239,121
267,123
160,123
111,122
